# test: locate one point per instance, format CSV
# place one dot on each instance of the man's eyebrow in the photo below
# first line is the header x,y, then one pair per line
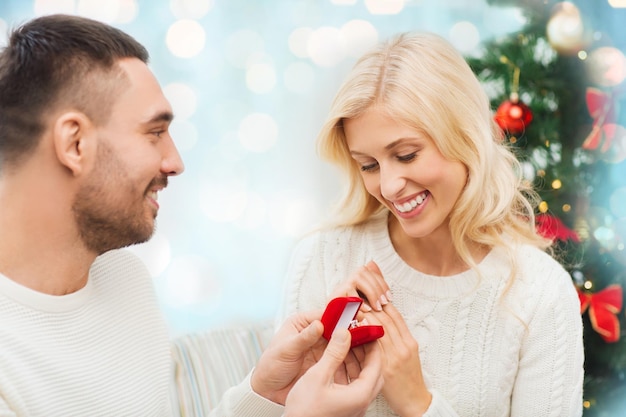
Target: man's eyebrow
x,y
165,116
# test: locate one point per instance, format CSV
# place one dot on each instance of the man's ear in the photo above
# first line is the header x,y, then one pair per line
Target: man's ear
x,y
73,135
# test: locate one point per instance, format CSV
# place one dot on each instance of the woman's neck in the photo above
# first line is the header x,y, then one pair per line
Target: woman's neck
x,y
434,254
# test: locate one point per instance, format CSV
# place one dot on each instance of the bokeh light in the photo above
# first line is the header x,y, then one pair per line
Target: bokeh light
x,y
384,6
106,11
606,66
326,46
43,7
359,36
127,12
185,38
617,3
465,37
191,9
112,11
298,42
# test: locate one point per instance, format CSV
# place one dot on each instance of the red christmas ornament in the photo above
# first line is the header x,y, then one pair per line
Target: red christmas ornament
x,y
513,115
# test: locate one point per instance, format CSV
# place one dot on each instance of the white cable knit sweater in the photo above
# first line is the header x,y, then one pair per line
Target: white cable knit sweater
x,y
478,358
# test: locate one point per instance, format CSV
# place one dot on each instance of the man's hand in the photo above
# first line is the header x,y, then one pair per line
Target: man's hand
x,y
317,393
296,346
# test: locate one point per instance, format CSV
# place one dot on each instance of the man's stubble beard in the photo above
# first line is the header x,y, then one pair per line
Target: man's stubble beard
x,y
110,212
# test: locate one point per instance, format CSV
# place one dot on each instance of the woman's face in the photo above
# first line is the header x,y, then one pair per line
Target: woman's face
x,y
403,169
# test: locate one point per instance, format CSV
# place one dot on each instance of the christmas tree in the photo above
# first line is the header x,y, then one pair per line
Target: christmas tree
x,y
558,85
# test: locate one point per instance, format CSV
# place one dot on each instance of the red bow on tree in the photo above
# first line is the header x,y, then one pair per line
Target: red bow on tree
x,y
552,227
601,107
603,309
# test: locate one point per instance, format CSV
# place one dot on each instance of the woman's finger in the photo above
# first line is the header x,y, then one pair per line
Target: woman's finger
x,y
368,283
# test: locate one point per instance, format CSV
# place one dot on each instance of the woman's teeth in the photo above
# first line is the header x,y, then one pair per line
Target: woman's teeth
x,y
411,204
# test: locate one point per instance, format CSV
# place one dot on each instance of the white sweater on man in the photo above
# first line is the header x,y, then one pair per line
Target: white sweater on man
x,y
103,350
482,353
100,351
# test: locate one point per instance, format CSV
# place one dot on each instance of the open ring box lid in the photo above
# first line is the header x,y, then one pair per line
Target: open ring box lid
x,y
341,312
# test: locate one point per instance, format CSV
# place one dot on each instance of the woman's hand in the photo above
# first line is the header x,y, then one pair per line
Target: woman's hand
x,y
405,388
368,283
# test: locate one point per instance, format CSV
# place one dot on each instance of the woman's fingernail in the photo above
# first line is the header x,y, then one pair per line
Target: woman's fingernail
x,y
378,306
366,308
388,293
383,300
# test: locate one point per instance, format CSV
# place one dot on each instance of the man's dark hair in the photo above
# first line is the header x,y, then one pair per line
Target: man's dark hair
x,y
53,61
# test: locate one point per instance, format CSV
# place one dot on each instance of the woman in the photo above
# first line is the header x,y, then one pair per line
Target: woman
x,y
436,231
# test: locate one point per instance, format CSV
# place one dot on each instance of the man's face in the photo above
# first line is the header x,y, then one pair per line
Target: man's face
x,y
116,205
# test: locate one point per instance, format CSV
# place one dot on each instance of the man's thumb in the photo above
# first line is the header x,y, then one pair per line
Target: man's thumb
x,y
310,335
337,349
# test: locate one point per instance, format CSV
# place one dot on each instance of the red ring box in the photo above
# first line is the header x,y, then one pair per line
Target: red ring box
x,y
341,312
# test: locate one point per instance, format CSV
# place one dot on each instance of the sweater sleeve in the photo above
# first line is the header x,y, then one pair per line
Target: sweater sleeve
x,y
550,376
439,407
5,411
242,401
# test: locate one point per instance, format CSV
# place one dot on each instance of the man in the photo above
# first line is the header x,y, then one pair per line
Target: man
x,y
84,152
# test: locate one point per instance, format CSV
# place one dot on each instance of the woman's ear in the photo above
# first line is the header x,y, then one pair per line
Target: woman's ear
x,y
73,140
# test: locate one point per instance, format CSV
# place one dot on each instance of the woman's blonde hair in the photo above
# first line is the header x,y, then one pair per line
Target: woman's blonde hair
x,y
421,81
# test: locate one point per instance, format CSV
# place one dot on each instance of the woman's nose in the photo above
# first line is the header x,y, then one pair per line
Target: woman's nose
x,y
392,182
